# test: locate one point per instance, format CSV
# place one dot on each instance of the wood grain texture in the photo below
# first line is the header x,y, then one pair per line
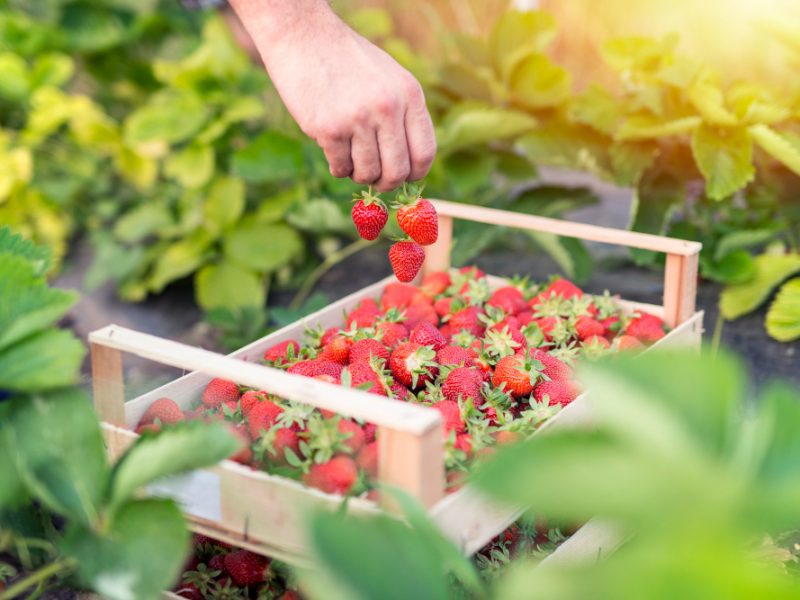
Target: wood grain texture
x,y
680,288
108,385
437,256
412,463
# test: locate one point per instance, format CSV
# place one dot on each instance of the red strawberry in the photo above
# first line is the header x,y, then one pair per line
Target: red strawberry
x,y
245,454
246,568
553,367
279,353
363,315
463,383
368,459
435,283
262,417
416,313
151,427
426,334
366,349
513,373
186,590
597,341
464,443
443,305
455,355
397,295
412,365
337,350
472,272
313,368
369,215
587,327
564,288
467,318
611,327
546,325
390,333
646,328
328,335
509,299
362,373
337,476
164,410
507,437
356,439
285,438
451,416
628,342
406,258
218,391
217,563
418,218
370,432
557,391
524,317
401,392
249,400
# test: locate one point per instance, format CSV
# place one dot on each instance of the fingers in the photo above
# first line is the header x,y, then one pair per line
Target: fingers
x,y
420,135
365,156
393,147
337,152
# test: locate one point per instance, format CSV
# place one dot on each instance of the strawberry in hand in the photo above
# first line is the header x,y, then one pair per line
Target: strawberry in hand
x,y
417,216
369,214
406,258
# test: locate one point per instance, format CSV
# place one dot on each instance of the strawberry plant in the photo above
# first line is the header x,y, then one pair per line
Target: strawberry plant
x,y
66,515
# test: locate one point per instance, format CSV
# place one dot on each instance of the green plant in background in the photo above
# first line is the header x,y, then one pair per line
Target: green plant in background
x,y
65,513
701,481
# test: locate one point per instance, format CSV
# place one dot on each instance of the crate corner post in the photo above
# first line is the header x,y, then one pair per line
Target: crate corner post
x,y
108,386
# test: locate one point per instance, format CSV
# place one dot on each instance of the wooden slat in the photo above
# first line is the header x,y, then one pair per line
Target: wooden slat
x,y
400,416
437,256
412,463
583,231
680,288
108,384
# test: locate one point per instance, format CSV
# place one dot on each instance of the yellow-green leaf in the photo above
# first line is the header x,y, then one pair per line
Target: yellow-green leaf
x,y
638,53
536,82
710,103
179,260
14,83
724,157
262,247
192,167
477,125
597,108
783,316
771,270
517,34
227,285
224,204
777,146
645,127
140,171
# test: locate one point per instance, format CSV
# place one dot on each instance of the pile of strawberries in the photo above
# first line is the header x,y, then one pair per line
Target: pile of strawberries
x,y
496,362
415,216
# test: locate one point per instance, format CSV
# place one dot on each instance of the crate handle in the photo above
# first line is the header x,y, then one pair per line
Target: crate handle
x,y
680,277
410,444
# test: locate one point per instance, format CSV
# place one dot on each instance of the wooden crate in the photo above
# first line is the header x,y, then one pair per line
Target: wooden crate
x,y
264,512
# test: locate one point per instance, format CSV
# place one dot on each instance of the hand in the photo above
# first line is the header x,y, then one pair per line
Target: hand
x,y
366,112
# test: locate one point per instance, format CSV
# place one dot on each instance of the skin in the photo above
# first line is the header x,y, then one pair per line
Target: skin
x,y
365,111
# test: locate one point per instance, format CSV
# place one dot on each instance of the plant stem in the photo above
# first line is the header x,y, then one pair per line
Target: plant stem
x,y
37,577
717,336
323,268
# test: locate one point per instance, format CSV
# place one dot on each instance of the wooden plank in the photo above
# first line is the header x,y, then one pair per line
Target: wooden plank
x,y
413,463
437,256
400,416
108,384
594,233
594,541
680,288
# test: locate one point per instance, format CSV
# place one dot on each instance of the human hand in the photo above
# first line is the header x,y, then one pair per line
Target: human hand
x,y
366,112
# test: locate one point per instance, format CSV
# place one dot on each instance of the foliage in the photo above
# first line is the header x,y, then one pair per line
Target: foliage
x,y
670,427
54,458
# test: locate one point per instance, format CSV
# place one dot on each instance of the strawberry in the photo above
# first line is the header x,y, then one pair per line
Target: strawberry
x,y
515,374
391,334
164,410
611,325
416,313
246,568
362,373
337,350
363,315
366,349
150,427
412,364
328,335
218,391
464,443
245,454
406,258
435,283
397,295
597,341
553,367
555,391
467,318
524,317
507,437
285,438
417,217
370,432
217,563
451,416
509,299
186,590
443,306
455,355
587,327
564,288
336,476
472,272
356,437
401,392
315,367
368,459
249,399
627,342
281,352
463,383
426,334
262,417
369,215
646,328
446,332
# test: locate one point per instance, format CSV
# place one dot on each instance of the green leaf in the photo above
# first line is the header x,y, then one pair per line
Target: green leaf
x,y
145,220
553,200
517,34
710,103
272,156
630,160
596,108
477,125
168,117
637,53
176,449
60,452
655,200
14,84
742,239
180,259
263,247
53,69
275,207
192,167
14,243
320,216
468,170
570,254
27,304
90,28
725,158
371,22
468,82
647,127
42,361
227,285
783,316
536,82
224,203
780,407
771,270
12,487
470,239
735,267
779,147
283,316
138,555
139,170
